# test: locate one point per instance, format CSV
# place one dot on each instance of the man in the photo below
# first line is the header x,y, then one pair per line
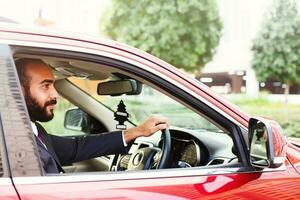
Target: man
x,y
37,82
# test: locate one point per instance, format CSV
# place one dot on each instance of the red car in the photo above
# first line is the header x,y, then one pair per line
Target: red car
x,y
212,150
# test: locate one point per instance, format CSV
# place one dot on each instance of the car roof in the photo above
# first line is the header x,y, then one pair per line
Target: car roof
x,y
55,33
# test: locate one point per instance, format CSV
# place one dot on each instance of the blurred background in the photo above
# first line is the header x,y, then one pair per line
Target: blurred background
x,y
247,51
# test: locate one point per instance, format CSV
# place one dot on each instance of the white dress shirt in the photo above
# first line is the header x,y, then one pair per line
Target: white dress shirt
x,y
34,129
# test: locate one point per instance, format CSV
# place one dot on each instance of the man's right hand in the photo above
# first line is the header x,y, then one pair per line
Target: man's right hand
x,y
148,128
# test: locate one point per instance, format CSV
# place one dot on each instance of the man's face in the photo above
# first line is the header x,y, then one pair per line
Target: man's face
x,y
41,95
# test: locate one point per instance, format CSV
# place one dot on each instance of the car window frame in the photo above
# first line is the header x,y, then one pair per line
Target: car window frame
x,y
153,79
4,161
237,131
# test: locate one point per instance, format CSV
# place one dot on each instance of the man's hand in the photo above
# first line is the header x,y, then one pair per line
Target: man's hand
x,y
150,126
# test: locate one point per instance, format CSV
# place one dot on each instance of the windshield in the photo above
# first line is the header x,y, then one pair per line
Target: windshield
x,y
149,102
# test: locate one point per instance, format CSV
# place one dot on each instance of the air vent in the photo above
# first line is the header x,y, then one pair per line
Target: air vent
x,y
217,161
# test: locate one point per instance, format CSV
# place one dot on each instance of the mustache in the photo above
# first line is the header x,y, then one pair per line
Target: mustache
x,y
51,102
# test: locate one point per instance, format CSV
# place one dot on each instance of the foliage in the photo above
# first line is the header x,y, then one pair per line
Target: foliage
x,y
56,125
183,33
286,115
277,47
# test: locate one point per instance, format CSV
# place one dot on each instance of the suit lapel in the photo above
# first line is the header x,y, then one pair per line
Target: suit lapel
x,y
48,142
40,144
50,148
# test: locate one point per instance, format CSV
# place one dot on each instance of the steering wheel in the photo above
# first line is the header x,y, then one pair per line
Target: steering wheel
x,y
152,157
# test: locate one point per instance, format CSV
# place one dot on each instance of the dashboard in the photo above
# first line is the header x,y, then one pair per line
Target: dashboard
x,y
184,153
189,148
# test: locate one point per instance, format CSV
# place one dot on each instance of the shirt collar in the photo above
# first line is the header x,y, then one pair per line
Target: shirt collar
x,y
34,128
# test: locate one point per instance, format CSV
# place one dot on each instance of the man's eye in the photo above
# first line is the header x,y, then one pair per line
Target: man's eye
x,y
46,86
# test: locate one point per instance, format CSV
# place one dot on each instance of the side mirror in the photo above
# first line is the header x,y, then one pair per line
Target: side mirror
x,y
76,120
119,87
267,143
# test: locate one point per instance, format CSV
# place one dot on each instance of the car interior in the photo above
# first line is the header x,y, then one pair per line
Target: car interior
x,y
98,98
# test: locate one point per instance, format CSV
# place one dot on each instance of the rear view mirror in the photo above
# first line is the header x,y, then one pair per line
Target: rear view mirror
x,y
119,87
267,143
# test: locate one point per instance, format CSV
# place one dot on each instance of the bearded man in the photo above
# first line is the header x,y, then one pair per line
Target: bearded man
x,y
37,83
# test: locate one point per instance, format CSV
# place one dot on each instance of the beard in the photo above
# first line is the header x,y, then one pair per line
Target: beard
x,y
38,112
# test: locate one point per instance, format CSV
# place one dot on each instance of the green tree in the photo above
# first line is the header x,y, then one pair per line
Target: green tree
x,y
276,49
183,33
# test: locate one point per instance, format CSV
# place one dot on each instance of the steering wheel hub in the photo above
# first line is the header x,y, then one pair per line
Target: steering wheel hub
x,y
152,157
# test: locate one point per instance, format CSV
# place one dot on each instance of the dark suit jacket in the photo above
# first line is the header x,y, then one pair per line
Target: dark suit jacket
x,y
64,150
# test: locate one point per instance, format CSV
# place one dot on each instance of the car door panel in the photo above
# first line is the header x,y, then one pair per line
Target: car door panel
x,y
7,190
133,186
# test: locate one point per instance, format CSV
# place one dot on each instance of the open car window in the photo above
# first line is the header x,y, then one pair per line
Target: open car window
x,y
85,108
57,125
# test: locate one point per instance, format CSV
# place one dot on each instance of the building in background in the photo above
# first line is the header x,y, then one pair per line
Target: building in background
x,y
230,70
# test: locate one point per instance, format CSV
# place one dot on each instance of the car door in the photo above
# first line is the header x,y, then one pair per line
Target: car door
x,y
8,107
210,182
7,189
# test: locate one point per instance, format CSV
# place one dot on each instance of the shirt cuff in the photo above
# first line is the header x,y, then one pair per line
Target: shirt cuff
x,y
124,142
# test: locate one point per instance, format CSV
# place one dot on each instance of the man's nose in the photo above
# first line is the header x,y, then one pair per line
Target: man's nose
x,y
54,93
